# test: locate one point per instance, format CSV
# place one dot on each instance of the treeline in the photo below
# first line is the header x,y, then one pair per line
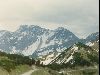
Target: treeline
x,y
10,61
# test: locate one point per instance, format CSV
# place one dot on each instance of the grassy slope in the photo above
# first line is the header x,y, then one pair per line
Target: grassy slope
x,y
19,70
40,72
77,71
45,71
3,72
13,64
82,72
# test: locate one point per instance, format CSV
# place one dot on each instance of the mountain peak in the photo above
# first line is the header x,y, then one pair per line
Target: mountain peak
x,y
61,28
93,37
29,26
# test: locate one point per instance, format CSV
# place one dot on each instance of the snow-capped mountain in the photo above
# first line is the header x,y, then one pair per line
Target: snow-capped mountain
x,y
93,37
78,54
88,44
36,41
93,41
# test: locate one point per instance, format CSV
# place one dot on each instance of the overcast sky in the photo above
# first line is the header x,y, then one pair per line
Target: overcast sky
x,y
79,16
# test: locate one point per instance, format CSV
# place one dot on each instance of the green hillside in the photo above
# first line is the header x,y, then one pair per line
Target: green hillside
x,y
13,63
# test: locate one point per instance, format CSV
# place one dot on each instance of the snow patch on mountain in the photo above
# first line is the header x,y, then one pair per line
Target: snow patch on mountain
x,y
71,57
90,44
49,58
30,49
75,48
13,51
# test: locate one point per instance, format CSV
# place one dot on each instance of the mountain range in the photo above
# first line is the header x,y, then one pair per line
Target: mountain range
x,y
38,42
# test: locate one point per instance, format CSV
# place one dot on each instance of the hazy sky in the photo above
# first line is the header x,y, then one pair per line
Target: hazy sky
x,y
79,16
